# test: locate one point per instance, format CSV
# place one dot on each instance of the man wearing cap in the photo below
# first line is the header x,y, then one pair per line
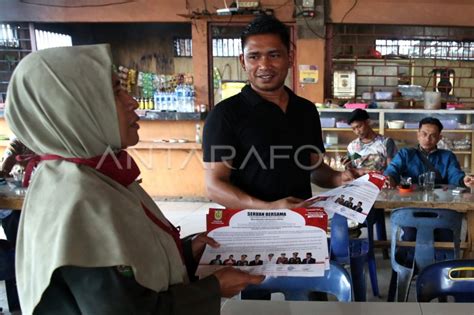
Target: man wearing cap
x,y
370,150
282,259
295,259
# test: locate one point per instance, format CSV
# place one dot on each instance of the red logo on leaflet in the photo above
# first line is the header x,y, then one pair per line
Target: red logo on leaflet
x,y
377,179
315,216
217,218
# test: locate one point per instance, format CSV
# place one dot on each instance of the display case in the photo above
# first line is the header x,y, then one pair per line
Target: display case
x,y
457,134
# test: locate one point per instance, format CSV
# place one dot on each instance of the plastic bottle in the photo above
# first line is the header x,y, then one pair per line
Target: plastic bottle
x,y
192,95
157,98
188,107
162,102
151,104
141,104
168,101
174,102
198,133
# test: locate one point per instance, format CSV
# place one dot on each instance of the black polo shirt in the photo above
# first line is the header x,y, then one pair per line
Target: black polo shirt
x,y
270,149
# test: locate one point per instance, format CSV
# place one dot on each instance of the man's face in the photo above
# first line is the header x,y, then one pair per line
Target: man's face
x,y
266,61
428,137
361,128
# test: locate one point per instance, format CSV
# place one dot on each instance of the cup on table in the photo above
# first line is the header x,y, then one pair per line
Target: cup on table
x,y
405,182
427,181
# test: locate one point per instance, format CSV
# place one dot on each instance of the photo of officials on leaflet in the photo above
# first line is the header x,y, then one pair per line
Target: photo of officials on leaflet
x,y
258,260
349,203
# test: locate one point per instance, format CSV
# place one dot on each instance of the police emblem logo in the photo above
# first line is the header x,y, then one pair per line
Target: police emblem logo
x,y
218,214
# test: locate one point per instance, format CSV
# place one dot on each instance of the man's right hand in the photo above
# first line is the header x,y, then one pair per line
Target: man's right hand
x,y
289,203
389,183
346,161
232,280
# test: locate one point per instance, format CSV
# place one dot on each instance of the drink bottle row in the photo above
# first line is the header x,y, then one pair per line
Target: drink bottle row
x,y
181,100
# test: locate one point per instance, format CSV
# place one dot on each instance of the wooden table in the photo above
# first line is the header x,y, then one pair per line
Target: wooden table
x,y
249,307
439,198
10,197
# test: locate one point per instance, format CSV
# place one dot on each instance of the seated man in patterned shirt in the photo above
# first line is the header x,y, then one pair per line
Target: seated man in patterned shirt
x,y
369,150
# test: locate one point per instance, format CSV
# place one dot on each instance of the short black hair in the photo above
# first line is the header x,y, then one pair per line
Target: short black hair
x,y
358,115
431,121
266,24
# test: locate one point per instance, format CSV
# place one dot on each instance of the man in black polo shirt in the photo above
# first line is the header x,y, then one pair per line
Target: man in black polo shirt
x,y
263,145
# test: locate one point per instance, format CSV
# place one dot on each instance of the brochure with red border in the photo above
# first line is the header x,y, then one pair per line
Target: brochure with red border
x,y
353,200
276,242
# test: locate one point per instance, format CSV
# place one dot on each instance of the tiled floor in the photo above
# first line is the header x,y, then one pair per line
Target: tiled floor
x,y
190,216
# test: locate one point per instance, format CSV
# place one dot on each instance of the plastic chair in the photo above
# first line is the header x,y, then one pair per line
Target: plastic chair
x,y
7,273
336,281
376,218
407,261
354,252
444,279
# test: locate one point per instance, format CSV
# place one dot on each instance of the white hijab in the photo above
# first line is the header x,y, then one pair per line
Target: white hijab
x,y
60,101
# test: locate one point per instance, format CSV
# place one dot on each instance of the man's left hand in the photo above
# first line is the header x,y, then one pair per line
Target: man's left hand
x,y
199,243
469,181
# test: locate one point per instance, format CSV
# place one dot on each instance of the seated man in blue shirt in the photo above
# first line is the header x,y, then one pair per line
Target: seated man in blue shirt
x,y
426,157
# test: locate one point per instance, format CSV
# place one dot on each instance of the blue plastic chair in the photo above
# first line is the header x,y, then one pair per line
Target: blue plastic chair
x,y
7,273
406,261
354,252
336,281
444,279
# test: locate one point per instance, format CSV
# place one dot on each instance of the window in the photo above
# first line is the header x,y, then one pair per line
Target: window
x,y
226,47
46,39
449,50
9,36
183,47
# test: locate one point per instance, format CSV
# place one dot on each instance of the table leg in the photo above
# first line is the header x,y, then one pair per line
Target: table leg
x,y
469,252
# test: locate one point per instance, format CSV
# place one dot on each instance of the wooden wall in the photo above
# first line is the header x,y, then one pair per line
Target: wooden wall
x,y
123,11
411,12
143,46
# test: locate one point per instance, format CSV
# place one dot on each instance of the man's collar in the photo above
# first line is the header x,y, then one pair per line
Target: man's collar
x,y
426,152
254,98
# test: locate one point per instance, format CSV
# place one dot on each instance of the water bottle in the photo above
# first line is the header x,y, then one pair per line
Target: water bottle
x,y
168,101
174,102
162,101
189,100
198,133
180,97
157,100
192,95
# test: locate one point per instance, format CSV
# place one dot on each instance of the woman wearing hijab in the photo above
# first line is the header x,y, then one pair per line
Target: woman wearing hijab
x,y
91,240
